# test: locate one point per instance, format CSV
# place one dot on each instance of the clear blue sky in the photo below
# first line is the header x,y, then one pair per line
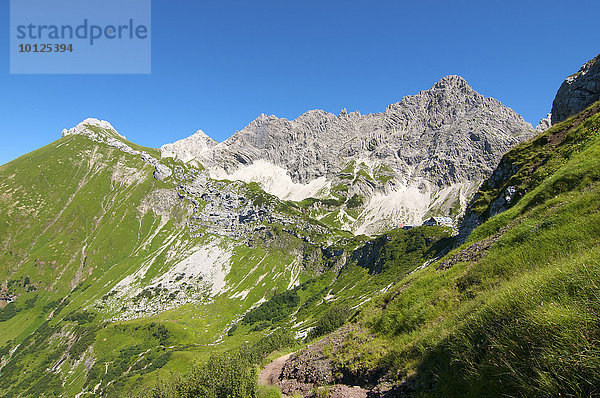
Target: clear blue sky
x,y
216,65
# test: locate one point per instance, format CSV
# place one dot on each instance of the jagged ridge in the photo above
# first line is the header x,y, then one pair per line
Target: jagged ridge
x,y
447,128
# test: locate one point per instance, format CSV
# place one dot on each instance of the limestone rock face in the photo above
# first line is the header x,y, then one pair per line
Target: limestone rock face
x,y
578,91
445,135
162,172
545,124
188,148
87,128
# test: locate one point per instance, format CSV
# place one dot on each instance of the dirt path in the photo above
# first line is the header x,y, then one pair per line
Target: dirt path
x,y
270,374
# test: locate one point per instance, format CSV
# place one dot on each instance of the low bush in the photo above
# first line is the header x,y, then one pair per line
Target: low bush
x,y
331,320
8,312
275,309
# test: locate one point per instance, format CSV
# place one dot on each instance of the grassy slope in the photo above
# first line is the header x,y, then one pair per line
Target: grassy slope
x,y
324,301
517,314
67,227
71,228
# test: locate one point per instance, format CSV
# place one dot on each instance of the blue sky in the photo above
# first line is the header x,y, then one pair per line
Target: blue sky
x,y
216,65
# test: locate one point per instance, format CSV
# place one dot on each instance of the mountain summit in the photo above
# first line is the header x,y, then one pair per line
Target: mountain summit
x,y
189,148
450,118
93,128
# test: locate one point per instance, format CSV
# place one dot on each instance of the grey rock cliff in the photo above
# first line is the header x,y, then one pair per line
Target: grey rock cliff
x,y
189,148
578,91
544,124
448,134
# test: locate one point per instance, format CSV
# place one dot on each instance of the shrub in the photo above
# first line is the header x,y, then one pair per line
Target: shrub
x,y
277,308
30,302
81,317
277,340
159,332
56,305
269,392
355,201
331,320
262,325
224,375
231,374
8,312
232,330
159,362
86,339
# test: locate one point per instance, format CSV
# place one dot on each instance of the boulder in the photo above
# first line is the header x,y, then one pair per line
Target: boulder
x,y
578,91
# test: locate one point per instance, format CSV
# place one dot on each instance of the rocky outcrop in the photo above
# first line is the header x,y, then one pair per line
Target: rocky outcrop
x,y
472,253
314,371
313,365
228,208
578,91
544,124
505,198
162,172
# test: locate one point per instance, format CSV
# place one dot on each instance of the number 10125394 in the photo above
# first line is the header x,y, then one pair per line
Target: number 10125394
x,y
45,48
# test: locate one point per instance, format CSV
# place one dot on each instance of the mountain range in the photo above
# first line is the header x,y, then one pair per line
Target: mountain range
x,y
422,156
125,265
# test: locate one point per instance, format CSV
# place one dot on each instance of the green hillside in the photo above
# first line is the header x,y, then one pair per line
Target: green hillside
x,y
514,310
116,280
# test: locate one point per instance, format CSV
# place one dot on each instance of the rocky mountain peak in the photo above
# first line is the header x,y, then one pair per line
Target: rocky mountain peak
x,y
188,148
409,134
578,91
423,151
93,128
263,119
451,82
313,113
